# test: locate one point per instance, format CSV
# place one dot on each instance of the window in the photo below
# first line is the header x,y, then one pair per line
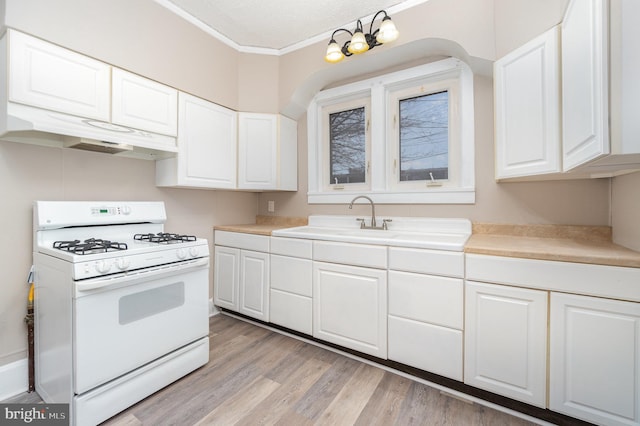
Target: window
x,y
405,137
424,137
346,145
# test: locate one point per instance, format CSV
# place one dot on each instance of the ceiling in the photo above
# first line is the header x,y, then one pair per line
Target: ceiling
x,y
278,26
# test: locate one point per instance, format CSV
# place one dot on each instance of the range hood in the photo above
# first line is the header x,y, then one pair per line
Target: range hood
x,y
23,123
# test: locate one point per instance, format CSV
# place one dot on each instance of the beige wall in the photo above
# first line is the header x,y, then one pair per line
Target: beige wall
x,y
518,21
625,207
29,173
579,202
142,37
145,38
478,31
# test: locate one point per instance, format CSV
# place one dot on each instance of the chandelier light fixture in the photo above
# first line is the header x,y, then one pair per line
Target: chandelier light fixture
x,y
360,42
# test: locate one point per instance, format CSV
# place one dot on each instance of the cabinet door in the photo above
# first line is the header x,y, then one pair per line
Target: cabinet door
x,y
206,144
226,277
527,108
585,97
254,284
257,151
143,104
595,359
47,76
506,341
350,307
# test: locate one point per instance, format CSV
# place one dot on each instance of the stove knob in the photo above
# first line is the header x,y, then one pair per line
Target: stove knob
x,y
181,253
126,210
193,251
122,263
103,267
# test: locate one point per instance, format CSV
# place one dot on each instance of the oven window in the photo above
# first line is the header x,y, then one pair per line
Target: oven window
x,y
146,303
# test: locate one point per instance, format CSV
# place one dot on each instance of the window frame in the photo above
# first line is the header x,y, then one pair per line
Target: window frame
x,y
412,89
381,90
326,170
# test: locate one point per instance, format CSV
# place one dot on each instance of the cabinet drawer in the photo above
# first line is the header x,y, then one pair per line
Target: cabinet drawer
x,y
351,254
427,298
434,262
242,240
425,346
291,311
292,275
291,247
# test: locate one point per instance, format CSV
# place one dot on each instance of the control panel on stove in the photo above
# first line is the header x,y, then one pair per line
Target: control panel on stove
x,y
110,210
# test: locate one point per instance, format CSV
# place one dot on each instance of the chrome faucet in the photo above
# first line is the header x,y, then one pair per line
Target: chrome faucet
x,y
373,210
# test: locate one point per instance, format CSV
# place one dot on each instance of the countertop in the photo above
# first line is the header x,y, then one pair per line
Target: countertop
x,y
264,225
565,243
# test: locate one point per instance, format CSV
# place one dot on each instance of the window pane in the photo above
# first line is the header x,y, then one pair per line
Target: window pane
x,y
424,137
347,144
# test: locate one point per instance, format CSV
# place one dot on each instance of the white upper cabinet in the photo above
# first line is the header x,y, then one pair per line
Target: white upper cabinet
x,y
143,104
206,147
596,112
585,132
51,77
267,152
527,108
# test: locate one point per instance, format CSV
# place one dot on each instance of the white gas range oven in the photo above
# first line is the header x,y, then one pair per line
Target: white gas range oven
x,y
121,308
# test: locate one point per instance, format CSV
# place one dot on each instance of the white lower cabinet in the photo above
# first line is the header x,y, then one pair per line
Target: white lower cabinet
x,y
290,303
254,284
426,315
506,341
350,307
595,359
241,273
226,277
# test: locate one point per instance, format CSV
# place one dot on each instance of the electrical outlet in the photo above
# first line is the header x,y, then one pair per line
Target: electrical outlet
x,y
271,206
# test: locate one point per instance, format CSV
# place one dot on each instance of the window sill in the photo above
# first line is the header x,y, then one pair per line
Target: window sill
x,y
433,196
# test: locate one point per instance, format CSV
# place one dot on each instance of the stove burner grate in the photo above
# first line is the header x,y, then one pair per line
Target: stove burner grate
x,y
164,238
89,246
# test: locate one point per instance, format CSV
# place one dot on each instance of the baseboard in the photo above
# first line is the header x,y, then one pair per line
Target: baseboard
x,y
14,379
213,309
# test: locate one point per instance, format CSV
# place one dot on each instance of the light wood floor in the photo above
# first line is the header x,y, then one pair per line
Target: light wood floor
x,y
259,377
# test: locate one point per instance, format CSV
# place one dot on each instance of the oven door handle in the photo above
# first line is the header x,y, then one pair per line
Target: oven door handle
x,y
127,278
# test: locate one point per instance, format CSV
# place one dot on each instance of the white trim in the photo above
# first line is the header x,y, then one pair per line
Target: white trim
x,y
14,378
434,196
213,309
168,4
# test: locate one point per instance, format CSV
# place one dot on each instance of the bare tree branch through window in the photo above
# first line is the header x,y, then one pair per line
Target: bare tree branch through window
x,y
424,137
347,140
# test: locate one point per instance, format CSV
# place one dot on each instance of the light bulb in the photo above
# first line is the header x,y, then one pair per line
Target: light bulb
x,y
358,43
387,31
334,53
